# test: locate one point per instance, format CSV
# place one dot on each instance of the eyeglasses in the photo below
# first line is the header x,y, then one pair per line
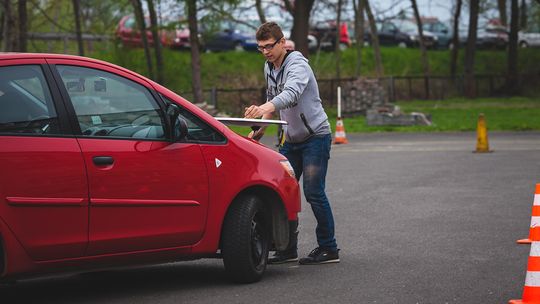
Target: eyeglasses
x,y
268,47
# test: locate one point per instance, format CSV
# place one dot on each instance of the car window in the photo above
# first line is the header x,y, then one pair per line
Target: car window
x,y
198,130
112,106
26,104
130,23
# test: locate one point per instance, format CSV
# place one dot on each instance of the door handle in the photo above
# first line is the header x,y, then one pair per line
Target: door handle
x,y
103,160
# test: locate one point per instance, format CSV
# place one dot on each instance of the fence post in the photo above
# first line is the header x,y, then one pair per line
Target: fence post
x,y
409,81
392,90
213,97
491,85
426,87
332,101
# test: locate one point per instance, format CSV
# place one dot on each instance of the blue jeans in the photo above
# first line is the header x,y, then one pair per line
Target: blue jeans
x,y
310,158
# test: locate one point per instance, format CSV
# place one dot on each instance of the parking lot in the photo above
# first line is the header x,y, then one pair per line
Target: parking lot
x,y
419,219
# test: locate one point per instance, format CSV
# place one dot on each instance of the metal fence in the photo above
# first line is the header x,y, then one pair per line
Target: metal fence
x,y
397,88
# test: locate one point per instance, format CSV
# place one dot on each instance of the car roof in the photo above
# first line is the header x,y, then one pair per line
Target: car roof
x,y
13,56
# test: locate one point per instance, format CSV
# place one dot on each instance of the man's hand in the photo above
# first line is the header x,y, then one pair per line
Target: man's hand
x,y
258,111
257,134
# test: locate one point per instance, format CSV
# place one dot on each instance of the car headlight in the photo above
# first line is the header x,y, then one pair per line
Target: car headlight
x,y
287,167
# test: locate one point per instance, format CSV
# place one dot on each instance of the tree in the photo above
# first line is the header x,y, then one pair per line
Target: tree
x,y
455,39
23,26
157,41
1,24
359,32
523,20
300,11
374,40
10,38
425,60
260,11
501,5
139,16
77,13
470,51
512,79
195,55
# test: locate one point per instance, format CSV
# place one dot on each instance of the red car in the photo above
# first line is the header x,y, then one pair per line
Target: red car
x,y
128,33
103,167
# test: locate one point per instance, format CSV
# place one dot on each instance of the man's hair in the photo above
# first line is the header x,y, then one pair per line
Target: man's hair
x,y
269,30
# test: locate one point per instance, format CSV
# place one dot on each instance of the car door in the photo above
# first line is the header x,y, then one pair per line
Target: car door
x,y
43,185
145,191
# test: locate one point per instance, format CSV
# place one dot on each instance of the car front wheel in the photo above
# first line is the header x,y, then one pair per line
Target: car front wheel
x,y
246,239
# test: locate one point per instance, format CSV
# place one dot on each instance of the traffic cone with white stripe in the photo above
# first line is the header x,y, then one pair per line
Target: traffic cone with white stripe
x,y
340,137
531,291
535,219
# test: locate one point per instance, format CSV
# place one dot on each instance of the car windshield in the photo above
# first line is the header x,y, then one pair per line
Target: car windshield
x,y
407,26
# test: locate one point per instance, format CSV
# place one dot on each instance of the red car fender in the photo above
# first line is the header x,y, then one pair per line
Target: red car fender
x,y
224,189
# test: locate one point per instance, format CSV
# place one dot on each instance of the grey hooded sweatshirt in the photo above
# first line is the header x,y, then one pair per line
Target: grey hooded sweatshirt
x,y
294,92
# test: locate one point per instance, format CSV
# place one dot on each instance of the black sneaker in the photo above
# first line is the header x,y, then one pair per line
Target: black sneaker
x,y
321,256
281,257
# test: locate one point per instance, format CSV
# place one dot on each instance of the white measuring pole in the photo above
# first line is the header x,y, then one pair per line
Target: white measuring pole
x,y
339,102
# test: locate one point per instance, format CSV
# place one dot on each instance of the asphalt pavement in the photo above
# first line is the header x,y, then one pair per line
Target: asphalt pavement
x,y
419,219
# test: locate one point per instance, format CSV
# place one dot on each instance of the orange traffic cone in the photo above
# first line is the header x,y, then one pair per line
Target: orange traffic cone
x,y
531,291
482,144
535,219
340,137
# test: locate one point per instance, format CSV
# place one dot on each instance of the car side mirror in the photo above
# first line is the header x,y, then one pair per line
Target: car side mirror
x,y
179,129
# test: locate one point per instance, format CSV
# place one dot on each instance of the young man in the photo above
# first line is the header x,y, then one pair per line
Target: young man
x,y
293,91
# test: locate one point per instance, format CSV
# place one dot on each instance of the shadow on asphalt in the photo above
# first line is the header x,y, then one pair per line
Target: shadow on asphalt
x,y
121,285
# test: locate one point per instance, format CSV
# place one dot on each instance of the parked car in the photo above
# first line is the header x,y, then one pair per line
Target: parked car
x,y
487,38
103,167
325,34
129,35
226,37
529,37
441,30
402,33
251,42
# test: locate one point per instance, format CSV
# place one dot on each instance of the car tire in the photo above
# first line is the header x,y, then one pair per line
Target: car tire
x,y
402,45
523,44
246,239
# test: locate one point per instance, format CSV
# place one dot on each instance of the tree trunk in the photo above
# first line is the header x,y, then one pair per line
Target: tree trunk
x,y
300,27
374,40
501,5
337,41
1,23
523,21
359,31
139,16
455,40
470,85
260,11
195,55
425,59
23,27
512,83
157,41
78,30
10,29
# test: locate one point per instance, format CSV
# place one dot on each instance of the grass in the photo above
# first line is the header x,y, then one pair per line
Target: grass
x,y
459,114
244,69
